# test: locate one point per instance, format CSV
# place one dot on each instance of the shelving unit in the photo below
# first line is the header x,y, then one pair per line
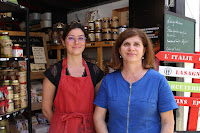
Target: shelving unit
x,y
98,45
10,7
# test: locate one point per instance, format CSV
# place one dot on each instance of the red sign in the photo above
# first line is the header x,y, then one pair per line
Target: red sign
x,y
178,57
187,101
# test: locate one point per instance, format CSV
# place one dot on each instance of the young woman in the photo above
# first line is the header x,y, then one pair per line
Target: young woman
x,y
138,98
69,86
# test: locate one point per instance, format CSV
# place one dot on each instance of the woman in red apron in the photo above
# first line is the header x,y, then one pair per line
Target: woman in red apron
x,y
69,87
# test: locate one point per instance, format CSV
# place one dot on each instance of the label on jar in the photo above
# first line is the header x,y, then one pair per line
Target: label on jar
x,y
17,52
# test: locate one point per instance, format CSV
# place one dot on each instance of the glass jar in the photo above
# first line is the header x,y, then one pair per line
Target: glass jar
x,y
6,82
10,106
98,36
114,22
10,92
106,22
3,35
107,34
15,85
115,34
2,129
6,48
91,36
17,51
22,77
3,122
17,103
98,25
2,107
11,75
23,102
91,25
23,89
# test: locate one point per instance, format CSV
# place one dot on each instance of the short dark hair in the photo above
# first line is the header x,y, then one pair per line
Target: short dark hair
x,y
149,57
72,26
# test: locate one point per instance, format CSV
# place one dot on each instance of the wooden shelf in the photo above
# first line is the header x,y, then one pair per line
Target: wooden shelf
x,y
98,45
37,75
36,106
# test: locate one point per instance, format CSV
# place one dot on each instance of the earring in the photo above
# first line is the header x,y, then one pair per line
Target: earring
x,y
142,57
120,56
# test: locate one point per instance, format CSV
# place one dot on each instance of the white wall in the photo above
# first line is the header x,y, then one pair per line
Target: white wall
x,y
105,11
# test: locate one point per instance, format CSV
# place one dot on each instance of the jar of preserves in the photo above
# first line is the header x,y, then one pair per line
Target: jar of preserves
x,y
17,103
2,129
98,25
2,107
6,82
23,89
107,34
15,85
17,51
3,122
91,36
10,92
98,36
23,102
115,34
22,77
114,22
106,22
91,25
3,35
10,106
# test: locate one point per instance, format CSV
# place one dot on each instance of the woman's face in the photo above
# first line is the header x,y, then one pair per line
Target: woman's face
x,y
132,50
75,42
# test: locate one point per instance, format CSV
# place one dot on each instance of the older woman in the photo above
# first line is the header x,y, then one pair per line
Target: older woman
x,y
71,82
138,98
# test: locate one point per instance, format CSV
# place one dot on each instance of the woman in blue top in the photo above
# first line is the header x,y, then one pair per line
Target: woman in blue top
x,y
138,98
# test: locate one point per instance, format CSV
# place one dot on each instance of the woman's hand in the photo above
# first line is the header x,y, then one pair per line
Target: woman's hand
x,y
99,120
48,93
167,122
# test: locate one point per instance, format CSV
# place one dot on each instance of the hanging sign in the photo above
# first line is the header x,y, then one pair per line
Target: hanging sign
x,y
187,101
184,87
178,57
179,72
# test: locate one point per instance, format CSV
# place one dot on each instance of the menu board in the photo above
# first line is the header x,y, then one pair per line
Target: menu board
x,y
179,33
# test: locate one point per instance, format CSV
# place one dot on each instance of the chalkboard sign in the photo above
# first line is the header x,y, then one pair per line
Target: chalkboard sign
x,y
34,41
179,33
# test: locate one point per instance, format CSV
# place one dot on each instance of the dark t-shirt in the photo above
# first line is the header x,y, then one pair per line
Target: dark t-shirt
x,y
54,73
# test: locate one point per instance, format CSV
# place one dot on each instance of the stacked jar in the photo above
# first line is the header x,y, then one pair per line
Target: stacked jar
x,y
115,26
10,96
23,89
3,125
91,31
3,101
6,45
106,29
98,30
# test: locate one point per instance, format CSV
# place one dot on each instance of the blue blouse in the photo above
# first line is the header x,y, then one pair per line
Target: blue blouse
x,y
136,107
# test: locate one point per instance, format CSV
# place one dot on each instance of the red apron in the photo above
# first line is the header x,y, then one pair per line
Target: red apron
x,y
73,104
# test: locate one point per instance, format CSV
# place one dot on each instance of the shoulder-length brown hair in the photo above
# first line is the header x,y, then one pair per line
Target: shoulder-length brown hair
x,y
149,58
